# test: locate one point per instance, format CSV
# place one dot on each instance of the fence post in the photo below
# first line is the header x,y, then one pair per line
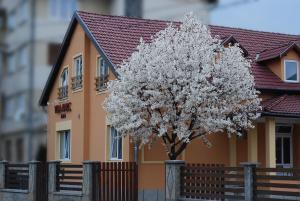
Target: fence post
x,y
90,184
52,171
33,166
249,170
172,174
3,165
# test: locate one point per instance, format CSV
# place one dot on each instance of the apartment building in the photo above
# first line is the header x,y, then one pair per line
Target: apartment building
x,y
163,9
30,42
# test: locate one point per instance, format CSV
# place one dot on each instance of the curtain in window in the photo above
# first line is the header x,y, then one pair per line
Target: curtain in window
x,y
78,66
64,78
116,144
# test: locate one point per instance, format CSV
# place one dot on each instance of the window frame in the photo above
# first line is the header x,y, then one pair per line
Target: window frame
x,y
63,132
101,63
285,135
75,65
60,77
118,158
284,71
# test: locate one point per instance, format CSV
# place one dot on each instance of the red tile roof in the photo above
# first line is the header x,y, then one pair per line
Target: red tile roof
x,y
119,36
284,104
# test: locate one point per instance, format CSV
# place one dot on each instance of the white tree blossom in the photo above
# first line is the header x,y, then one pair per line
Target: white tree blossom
x,y
182,85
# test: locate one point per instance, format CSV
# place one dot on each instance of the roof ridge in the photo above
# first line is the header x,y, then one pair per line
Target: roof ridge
x,y
209,25
253,30
127,17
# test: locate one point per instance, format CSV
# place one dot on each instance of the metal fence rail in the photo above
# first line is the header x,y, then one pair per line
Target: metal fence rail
x,y
69,177
17,176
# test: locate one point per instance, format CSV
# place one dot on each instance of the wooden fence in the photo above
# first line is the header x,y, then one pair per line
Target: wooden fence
x,y
216,182
212,182
17,176
276,184
69,177
118,181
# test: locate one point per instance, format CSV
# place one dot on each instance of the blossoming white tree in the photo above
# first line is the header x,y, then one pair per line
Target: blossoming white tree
x,y
182,85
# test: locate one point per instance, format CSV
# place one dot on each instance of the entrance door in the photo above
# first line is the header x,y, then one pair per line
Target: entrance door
x,y
284,146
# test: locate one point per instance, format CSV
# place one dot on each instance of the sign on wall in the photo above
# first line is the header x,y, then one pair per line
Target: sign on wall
x,y
62,109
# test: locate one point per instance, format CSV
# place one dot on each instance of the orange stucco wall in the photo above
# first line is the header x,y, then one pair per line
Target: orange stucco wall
x,y
88,118
89,140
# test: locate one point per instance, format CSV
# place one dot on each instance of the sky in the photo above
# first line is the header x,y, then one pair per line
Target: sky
x,y
281,16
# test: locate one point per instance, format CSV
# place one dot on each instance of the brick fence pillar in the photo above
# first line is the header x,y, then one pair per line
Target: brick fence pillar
x,y
52,170
249,169
3,165
172,174
90,184
32,185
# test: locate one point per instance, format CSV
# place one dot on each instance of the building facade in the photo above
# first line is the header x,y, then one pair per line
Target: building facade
x,y
95,44
30,42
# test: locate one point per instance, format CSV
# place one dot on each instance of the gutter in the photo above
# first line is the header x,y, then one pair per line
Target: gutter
x,y
278,114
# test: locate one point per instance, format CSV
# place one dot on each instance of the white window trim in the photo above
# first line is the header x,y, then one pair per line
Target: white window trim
x,y
291,81
74,68
290,135
110,150
70,144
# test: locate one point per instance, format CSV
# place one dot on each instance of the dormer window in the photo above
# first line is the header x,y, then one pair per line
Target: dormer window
x,y
77,78
291,71
63,85
102,74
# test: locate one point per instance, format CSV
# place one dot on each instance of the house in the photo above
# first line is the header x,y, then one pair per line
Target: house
x,y
95,44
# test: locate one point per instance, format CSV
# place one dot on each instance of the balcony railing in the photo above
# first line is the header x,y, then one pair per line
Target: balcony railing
x,y
77,82
101,83
63,92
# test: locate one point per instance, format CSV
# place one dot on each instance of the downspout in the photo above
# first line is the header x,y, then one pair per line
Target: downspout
x,y
31,80
136,152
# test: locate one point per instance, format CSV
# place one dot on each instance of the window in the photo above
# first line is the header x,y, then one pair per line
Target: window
x,y
64,145
115,144
23,14
63,89
12,21
9,108
77,79
62,9
102,74
291,71
8,150
78,66
20,107
23,57
11,63
20,149
284,146
64,78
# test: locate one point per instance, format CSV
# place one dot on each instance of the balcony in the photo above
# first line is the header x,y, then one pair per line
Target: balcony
x,y
101,83
63,92
77,82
